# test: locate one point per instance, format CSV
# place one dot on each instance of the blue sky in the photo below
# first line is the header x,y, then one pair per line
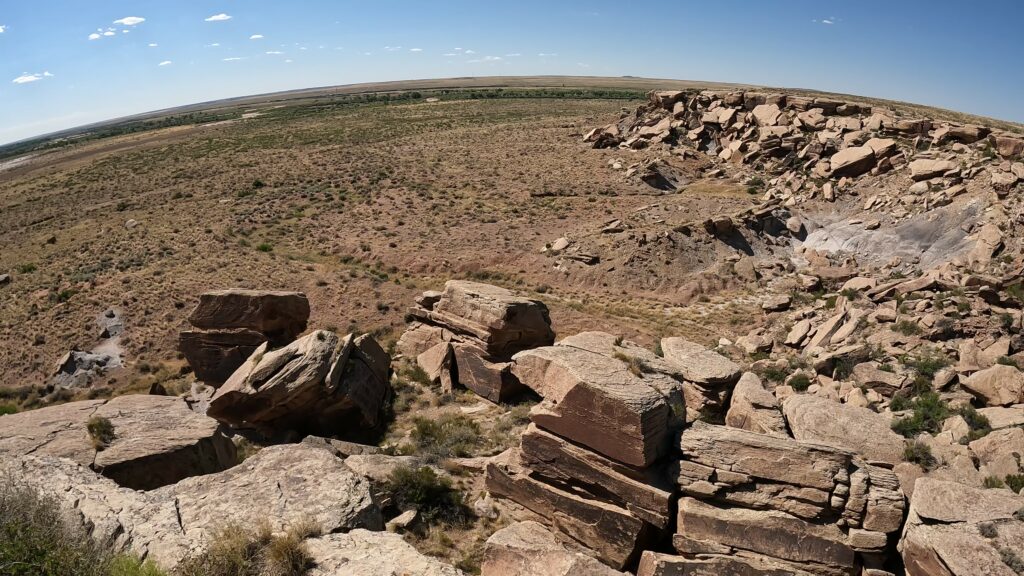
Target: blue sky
x,y
65,63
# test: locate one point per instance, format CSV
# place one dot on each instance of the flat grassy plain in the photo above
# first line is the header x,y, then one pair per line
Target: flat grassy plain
x,y
361,205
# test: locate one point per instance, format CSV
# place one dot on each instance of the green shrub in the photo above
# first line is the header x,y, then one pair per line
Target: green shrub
x,y
927,362
850,294
26,268
993,482
920,454
634,364
1007,361
36,541
265,247
451,435
907,328
929,412
101,431
977,422
7,408
800,382
1015,482
431,495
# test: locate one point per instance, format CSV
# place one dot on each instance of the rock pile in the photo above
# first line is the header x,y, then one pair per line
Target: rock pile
x,y
155,440
592,463
317,384
228,326
466,335
772,501
803,140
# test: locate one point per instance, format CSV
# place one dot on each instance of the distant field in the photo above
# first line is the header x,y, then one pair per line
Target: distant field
x,y
446,88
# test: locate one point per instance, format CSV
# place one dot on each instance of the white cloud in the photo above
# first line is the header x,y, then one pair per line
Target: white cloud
x,y
451,54
826,21
392,48
543,55
94,36
514,55
583,65
233,59
218,18
470,52
485,59
108,33
415,49
214,45
457,49
256,37
125,31
27,78
152,44
130,21
165,63
3,29
272,52
288,61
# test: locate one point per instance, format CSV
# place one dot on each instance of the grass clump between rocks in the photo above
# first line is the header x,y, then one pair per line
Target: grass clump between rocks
x,y
36,541
235,550
921,454
929,411
451,435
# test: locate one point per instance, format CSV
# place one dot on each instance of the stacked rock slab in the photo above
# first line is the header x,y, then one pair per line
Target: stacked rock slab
x,y
157,440
592,463
468,333
766,504
228,326
317,384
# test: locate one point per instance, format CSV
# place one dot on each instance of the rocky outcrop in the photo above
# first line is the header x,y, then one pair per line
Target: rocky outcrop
x,y
157,440
467,334
280,485
998,385
592,464
781,502
754,408
230,324
530,548
956,530
316,384
364,553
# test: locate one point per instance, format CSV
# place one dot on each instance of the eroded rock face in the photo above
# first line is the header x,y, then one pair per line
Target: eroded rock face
x,y
956,530
231,324
157,440
998,385
530,548
282,485
860,430
754,408
318,383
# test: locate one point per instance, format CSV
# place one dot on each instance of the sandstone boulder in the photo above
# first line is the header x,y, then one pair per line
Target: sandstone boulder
x,y
860,430
754,408
594,400
361,552
956,530
698,364
852,161
157,440
317,383
998,385
281,485
928,169
530,548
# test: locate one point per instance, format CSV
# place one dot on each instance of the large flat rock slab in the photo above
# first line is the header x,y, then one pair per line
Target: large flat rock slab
x,y
278,315
530,548
957,530
860,430
364,553
281,485
157,440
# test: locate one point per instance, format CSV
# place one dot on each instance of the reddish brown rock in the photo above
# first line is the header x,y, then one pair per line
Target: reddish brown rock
x,y
281,316
215,354
615,535
528,548
490,380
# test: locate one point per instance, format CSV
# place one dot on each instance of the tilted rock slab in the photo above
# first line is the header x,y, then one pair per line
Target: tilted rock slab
x,y
530,548
999,385
707,376
594,400
231,324
281,485
158,440
312,384
658,564
613,533
754,408
861,430
957,530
